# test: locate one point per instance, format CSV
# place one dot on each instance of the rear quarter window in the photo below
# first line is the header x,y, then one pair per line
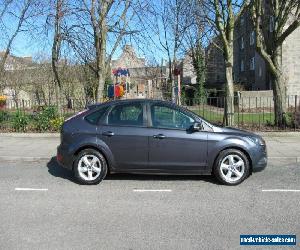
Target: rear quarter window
x,y
94,117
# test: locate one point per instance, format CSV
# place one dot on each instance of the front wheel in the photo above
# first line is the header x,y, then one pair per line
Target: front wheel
x,y
231,167
90,167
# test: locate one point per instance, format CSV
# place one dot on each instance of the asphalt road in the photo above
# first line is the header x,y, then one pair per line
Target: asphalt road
x,y
143,212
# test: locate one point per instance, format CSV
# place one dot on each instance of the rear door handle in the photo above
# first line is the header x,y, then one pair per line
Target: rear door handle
x,y
108,133
159,136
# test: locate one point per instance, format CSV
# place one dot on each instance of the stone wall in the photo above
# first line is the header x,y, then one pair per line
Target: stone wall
x,y
255,99
291,62
263,99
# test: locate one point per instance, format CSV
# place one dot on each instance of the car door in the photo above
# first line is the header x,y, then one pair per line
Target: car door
x,y
171,146
123,131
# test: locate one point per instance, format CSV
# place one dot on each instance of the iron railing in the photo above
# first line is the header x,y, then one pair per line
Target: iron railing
x,y
253,113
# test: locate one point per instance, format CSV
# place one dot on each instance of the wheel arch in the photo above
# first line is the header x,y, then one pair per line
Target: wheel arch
x,y
237,148
84,147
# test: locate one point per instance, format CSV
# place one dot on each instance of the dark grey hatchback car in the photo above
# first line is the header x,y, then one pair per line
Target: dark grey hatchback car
x,y
155,137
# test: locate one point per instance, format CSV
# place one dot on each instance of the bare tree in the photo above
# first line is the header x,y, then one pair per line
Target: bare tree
x,y
57,39
273,23
102,24
24,13
21,19
169,21
194,45
221,14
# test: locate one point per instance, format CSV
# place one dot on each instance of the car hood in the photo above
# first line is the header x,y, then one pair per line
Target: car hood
x,y
234,131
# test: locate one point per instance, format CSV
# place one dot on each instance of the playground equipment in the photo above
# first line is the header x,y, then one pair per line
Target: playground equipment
x,y
120,86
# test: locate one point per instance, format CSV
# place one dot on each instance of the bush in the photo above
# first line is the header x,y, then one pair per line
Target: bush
x,y
4,116
43,118
20,121
56,123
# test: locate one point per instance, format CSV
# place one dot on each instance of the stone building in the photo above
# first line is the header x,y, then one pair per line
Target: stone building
x,y
215,66
188,74
145,81
128,59
249,69
17,71
16,63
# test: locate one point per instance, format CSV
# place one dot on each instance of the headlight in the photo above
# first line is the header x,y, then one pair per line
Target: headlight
x,y
257,140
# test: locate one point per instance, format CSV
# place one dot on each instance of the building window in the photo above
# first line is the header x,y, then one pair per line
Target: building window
x,y
252,63
242,66
252,38
242,43
271,24
242,20
260,72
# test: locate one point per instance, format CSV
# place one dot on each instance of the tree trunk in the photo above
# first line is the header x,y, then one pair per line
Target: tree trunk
x,y
279,93
101,82
229,99
279,90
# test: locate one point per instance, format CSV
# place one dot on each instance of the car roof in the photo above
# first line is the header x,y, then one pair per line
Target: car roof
x,y
119,101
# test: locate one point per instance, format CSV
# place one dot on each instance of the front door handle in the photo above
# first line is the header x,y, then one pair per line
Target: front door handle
x,y
159,136
108,133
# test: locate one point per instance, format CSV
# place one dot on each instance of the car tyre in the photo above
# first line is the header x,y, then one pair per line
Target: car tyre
x,y
90,167
231,167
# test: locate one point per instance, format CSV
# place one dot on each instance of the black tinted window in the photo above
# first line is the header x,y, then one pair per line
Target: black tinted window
x,y
167,117
127,114
96,116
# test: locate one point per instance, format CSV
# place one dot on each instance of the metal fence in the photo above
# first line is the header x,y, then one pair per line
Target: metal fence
x,y
253,113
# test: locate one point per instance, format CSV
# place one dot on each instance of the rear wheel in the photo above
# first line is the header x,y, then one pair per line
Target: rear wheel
x,y
90,167
231,167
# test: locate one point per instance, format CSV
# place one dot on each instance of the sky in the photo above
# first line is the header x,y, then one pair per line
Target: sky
x,y
36,39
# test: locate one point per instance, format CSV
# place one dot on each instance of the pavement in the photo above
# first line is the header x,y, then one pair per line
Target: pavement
x,y
42,207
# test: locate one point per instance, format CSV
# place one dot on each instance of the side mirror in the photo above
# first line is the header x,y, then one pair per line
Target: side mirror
x,y
196,127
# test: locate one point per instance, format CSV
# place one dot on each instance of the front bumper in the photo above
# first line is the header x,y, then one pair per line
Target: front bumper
x,y
64,158
260,159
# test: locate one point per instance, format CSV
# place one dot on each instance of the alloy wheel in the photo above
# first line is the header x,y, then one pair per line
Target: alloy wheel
x,y
89,167
232,168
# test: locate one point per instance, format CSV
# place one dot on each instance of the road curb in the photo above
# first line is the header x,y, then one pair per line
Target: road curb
x,y
25,159
30,135
295,159
278,134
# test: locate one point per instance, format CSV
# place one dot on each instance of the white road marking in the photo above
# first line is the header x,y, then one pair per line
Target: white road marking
x,y
152,190
31,189
280,190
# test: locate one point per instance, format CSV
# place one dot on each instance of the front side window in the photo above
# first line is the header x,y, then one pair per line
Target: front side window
x,y
126,115
166,117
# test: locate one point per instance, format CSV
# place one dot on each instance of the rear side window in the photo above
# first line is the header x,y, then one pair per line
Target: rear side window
x,y
94,117
128,114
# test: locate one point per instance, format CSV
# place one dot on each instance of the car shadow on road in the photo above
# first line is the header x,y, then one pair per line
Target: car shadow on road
x,y
57,171
152,177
